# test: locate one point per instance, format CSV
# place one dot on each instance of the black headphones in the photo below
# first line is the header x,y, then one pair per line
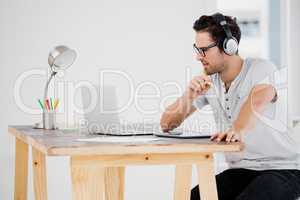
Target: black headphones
x,y
230,44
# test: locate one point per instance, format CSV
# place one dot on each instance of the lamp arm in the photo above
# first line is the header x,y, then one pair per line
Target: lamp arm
x,y
47,84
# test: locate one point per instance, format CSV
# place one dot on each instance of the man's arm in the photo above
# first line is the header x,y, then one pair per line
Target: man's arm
x,y
260,96
183,107
176,113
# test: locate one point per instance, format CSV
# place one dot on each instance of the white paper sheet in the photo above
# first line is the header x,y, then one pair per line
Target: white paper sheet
x,y
119,139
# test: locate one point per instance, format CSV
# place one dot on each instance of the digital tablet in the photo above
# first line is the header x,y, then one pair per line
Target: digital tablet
x,y
183,134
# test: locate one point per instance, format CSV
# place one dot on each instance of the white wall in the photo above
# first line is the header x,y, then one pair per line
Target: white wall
x,y
257,9
150,40
293,32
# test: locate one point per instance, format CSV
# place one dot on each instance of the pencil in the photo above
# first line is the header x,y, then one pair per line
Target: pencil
x,y
51,103
56,104
47,103
41,104
207,84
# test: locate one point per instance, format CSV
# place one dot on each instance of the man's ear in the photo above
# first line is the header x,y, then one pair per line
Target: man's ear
x,y
225,56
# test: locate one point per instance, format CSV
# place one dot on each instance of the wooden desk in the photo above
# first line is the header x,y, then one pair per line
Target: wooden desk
x,y
98,169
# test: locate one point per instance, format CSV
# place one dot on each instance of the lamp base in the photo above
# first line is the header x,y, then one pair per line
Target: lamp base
x,y
39,125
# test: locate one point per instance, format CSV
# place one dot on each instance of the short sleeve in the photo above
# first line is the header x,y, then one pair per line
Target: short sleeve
x,y
200,102
263,72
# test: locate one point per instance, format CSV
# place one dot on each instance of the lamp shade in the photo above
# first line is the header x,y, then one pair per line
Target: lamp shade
x,y
61,57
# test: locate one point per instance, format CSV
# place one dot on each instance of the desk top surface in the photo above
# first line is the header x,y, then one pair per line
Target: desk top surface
x,y
74,142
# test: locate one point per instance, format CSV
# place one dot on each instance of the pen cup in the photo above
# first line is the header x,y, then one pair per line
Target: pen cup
x,y
49,121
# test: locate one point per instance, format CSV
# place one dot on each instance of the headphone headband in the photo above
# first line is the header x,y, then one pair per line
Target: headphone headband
x,y
230,44
220,20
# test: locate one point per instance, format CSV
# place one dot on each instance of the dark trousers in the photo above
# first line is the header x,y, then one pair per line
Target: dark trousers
x,y
244,184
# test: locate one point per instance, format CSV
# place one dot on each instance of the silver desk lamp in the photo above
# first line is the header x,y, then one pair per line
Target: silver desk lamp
x,y
60,58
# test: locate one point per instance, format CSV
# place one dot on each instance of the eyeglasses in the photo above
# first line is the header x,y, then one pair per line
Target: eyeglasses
x,y
202,50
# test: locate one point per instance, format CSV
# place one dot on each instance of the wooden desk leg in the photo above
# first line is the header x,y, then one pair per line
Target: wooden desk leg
x,y
207,180
21,170
114,183
183,176
87,180
39,175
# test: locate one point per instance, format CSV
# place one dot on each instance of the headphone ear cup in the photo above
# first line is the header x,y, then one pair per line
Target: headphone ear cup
x,y
230,46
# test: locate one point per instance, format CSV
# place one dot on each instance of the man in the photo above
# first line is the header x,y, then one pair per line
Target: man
x,y
242,95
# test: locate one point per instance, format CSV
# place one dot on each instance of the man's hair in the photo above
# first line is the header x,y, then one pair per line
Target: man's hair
x,y
207,23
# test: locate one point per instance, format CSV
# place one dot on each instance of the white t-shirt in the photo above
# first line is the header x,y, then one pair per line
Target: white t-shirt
x,y
267,146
